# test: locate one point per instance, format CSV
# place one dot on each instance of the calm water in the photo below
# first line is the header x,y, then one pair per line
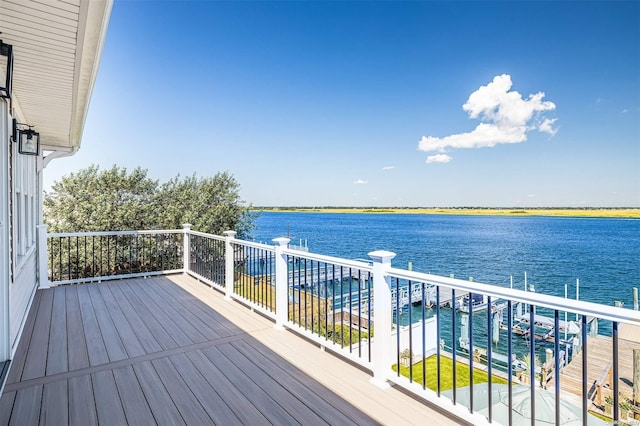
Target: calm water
x,y
604,254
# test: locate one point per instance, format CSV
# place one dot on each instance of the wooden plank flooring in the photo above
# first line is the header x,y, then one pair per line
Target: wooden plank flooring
x,y
170,350
600,354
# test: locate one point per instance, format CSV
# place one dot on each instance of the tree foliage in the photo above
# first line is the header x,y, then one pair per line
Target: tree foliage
x,y
116,200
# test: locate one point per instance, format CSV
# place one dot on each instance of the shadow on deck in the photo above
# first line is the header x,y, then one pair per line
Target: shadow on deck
x,y
169,350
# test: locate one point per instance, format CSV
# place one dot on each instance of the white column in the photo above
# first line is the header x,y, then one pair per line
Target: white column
x,y
282,283
382,344
186,228
43,270
5,340
229,236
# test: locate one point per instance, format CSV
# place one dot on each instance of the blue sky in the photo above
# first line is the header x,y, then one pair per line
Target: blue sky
x,y
391,103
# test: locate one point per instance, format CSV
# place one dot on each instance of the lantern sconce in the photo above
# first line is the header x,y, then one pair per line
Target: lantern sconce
x,y
6,69
28,139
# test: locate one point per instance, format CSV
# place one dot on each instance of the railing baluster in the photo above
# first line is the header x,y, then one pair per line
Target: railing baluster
x,y
424,337
359,313
532,362
616,374
369,313
350,310
585,396
410,334
438,368
326,303
556,363
489,358
453,340
510,360
470,352
397,310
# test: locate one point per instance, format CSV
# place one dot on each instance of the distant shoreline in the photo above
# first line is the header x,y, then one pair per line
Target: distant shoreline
x,y
629,213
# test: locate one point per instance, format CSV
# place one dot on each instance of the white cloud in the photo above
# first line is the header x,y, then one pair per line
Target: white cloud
x,y
505,116
547,126
360,182
388,167
531,195
438,158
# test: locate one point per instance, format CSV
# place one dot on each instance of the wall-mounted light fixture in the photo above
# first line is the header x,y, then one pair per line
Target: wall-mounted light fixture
x,y
28,139
6,69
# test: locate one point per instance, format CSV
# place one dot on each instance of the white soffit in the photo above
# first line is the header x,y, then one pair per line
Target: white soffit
x,y
56,47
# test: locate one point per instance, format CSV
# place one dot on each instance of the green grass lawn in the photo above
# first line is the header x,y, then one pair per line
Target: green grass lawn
x,y
446,374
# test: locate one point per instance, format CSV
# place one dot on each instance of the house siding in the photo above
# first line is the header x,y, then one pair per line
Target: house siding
x,y
20,296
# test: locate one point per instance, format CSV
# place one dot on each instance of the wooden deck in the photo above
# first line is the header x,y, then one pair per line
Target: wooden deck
x,y
170,350
600,354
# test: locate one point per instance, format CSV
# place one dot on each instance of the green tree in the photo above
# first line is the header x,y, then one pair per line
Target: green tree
x,y
94,200
210,204
117,200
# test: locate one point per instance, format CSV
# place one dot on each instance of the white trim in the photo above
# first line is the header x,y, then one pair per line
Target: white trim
x,y
5,328
115,277
580,307
107,233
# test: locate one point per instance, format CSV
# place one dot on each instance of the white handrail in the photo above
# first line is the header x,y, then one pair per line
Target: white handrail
x,y
610,313
117,233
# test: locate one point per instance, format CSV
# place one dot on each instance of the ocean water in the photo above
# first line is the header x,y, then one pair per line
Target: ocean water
x,y
603,254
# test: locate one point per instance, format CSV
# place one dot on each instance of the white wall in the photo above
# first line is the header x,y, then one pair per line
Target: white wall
x,y
19,216
431,340
21,294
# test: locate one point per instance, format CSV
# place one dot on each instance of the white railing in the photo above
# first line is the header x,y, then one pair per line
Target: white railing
x,y
413,341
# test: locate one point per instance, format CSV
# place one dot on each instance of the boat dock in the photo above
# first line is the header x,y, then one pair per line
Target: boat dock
x,y
446,296
600,353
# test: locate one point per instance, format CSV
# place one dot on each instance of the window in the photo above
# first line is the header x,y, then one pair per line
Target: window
x,y
24,213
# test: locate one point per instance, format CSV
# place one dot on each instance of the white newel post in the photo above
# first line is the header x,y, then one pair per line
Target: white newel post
x,y
282,282
382,355
229,236
186,249
43,271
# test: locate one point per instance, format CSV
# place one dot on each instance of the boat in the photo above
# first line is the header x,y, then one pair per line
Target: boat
x,y
478,303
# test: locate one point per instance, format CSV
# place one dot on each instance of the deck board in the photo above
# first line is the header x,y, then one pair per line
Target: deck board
x,y
134,403
189,407
170,350
82,409
130,341
302,385
95,344
262,398
57,359
17,365
36,363
168,312
161,332
55,404
235,400
6,406
26,407
108,405
158,398
110,335
145,335
188,307
76,342
204,392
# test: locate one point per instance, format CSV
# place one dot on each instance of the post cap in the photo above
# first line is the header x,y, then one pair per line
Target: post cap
x,y
382,256
229,234
281,241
